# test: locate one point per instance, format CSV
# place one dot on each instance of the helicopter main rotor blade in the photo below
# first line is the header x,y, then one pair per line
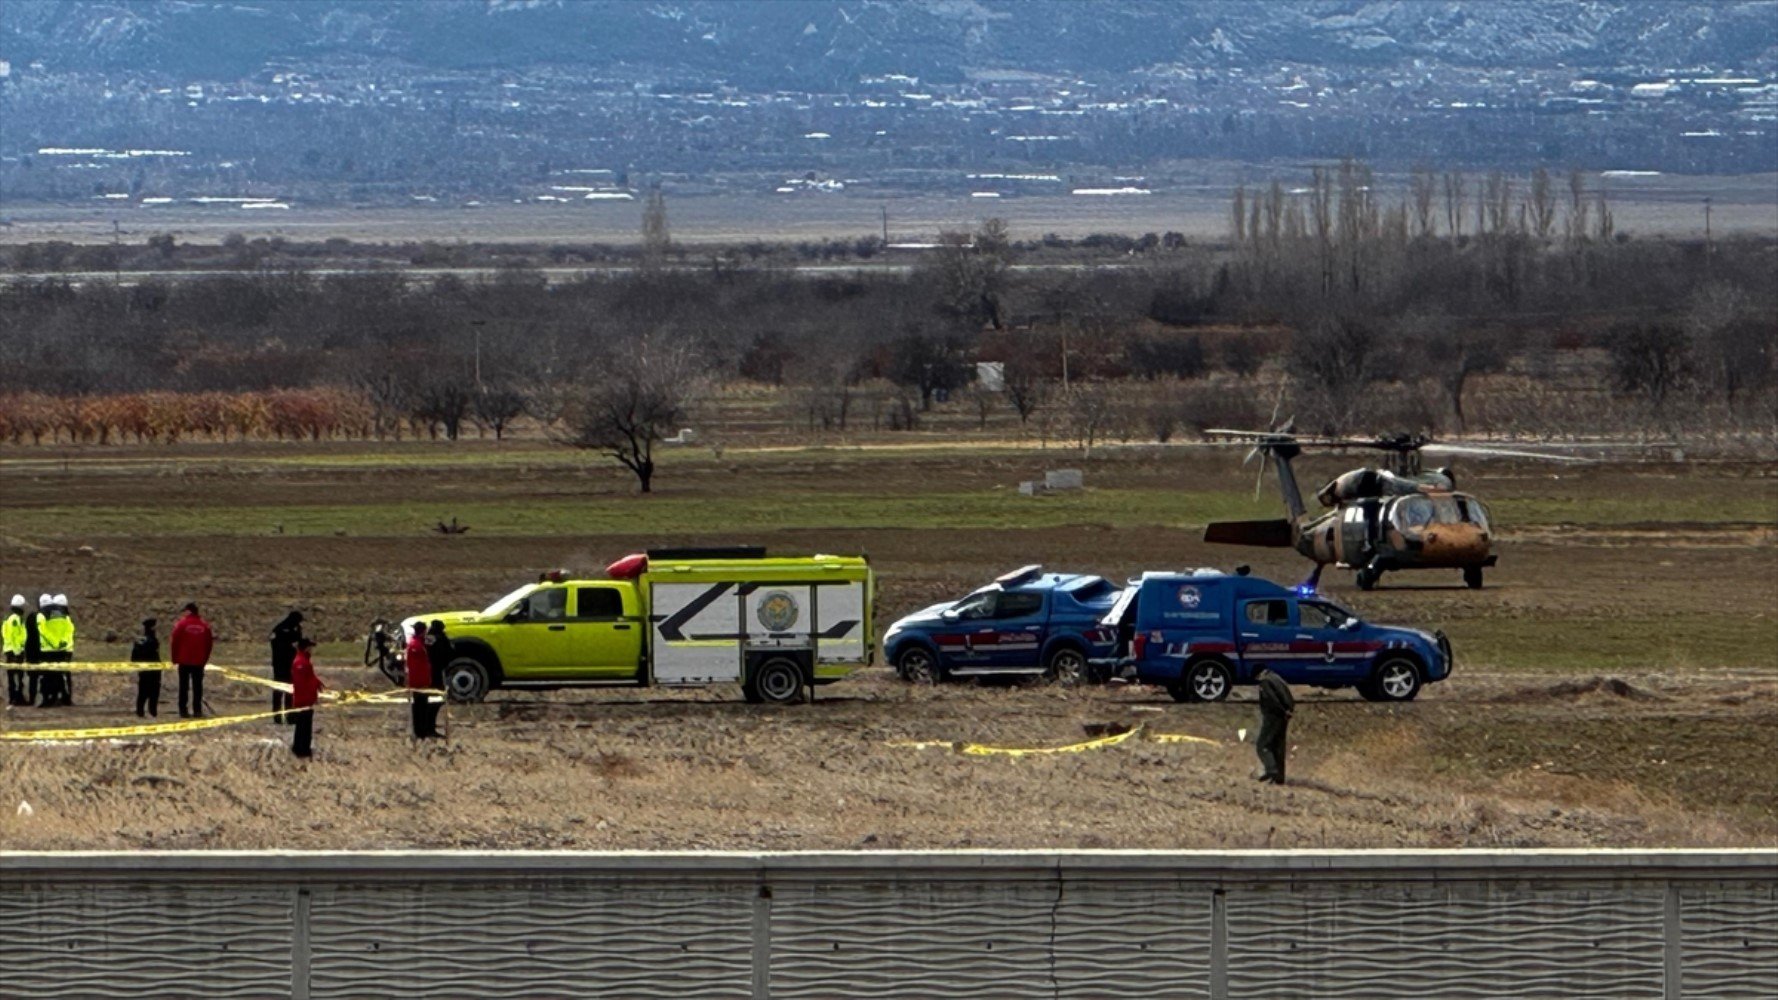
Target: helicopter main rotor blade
x,y
1480,450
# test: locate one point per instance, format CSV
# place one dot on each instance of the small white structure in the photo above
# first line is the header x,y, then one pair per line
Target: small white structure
x,y
1063,479
991,375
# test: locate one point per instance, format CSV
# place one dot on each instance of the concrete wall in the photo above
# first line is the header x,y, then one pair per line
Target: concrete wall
x,y
1089,924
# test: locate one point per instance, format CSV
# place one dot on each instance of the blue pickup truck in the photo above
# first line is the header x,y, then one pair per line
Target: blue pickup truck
x,y
1198,634
1025,622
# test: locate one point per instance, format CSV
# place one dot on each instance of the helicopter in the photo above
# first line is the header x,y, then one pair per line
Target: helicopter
x,y
1381,519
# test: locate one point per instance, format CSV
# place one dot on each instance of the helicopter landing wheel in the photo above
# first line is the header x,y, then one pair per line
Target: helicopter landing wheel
x,y
1472,577
1368,577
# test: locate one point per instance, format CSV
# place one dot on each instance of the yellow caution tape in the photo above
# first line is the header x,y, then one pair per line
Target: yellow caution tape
x,y
1181,738
147,729
982,750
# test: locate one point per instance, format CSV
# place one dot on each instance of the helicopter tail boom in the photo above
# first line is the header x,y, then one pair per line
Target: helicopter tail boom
x,y
1277,533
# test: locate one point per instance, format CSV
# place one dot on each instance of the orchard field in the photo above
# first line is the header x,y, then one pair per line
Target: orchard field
x,y
1616,683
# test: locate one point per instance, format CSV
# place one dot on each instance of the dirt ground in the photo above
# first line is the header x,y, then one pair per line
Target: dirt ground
x,y
1616,684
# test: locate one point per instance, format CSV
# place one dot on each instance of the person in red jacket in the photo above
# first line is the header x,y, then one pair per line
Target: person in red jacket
x,y
419,677
305,689
191,643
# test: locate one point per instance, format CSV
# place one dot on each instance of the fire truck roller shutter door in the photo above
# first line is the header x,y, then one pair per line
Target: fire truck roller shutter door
x,y
696,632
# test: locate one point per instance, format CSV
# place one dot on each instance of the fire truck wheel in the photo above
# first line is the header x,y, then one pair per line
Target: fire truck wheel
x,y
1067,667
1368,577
777,681
468,679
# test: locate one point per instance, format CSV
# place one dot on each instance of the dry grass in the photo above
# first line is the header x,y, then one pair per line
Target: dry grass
x,y
686,771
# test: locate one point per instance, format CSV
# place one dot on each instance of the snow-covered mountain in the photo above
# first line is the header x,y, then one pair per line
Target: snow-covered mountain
x,y
816,44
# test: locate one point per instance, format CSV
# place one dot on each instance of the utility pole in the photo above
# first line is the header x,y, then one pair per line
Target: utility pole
x,y
1709,247
478,324
885,225
116,253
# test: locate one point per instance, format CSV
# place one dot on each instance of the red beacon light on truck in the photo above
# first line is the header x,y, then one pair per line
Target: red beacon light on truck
x,y
629,567
552,576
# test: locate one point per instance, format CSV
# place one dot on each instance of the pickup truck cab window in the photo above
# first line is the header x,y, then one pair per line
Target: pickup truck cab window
x,y
598,603
1270,612
1018,605
978,605
1317,614
542,606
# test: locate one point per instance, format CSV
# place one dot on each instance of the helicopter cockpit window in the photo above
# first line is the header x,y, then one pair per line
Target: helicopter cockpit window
x,y
1413,512
1446,511
1473,512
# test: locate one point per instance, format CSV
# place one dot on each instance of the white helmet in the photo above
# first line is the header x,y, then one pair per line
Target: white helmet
x,y
18,600
61,600
45,600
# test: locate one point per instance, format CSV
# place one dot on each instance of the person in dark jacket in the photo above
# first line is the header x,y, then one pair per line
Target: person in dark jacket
x,y
147,649
305,690
419,678
438,651
1276,705
191,642
34,682
285,636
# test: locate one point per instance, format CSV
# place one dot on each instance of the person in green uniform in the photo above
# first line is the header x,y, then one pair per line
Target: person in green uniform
x,y
1276,705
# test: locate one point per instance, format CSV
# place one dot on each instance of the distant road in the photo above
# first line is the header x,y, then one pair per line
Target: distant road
x,y
553,275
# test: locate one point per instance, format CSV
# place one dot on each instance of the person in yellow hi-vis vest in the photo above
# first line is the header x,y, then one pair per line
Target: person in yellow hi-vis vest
x,y
12,650
57,635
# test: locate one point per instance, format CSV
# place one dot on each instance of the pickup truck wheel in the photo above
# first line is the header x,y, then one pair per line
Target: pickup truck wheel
x,y
1472,577
1396,679
468,679
1206,680
1067,667
1368,577
778,681
918,665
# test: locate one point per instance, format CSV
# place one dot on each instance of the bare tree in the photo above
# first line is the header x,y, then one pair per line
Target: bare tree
x,y
1649,360
1576,224
984,400
1542,204
441,399
1452,353
656,240
1497,200
1238,216
1274,213
496,406
1422,188
1089,406
968,272
1456,191
642,396
1026,387
1336,361
1734,346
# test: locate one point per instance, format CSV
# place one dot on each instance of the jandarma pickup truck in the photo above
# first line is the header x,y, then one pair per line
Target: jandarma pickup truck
x,y
1200,633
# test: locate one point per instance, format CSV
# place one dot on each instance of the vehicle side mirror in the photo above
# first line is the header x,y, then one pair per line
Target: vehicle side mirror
x,y
1349,625
948,615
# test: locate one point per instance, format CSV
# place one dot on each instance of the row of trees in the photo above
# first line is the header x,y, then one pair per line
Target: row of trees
x,y
316,413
